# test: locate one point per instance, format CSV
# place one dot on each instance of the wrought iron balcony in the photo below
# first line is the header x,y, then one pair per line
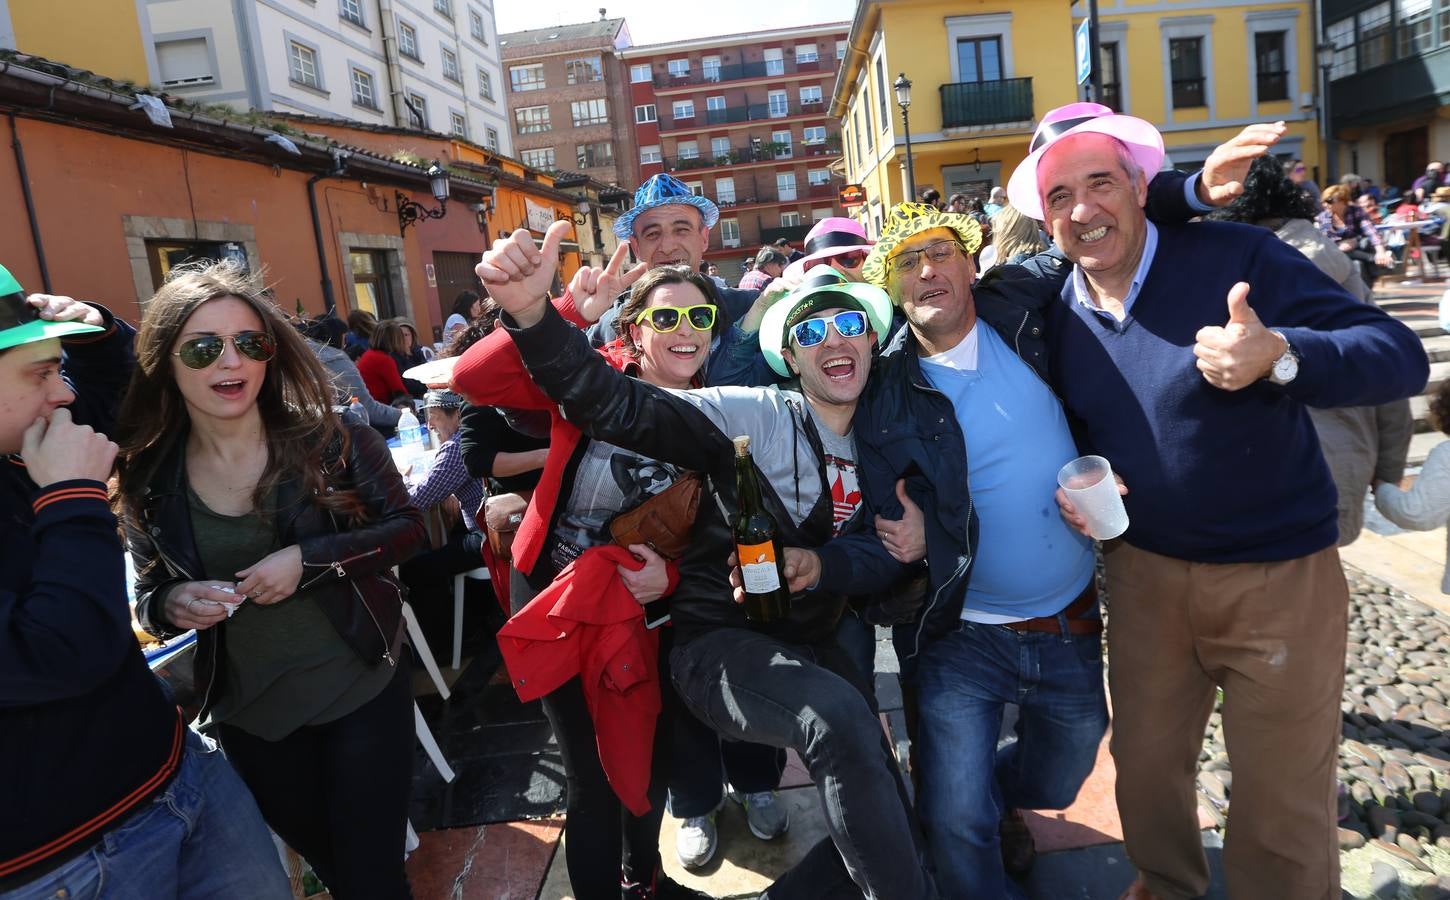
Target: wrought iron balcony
x,y
975,103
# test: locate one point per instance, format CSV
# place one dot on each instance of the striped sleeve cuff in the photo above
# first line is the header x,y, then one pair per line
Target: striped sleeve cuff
x,y
70,490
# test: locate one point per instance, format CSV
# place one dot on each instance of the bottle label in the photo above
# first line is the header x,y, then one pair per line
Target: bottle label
x,y
757,568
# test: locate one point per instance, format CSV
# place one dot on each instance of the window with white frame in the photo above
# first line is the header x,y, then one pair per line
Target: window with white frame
x,y
806,53
646,113
811,93
408,41
820,212
683,109
1187,61
650,153
697,188
790,219
841,49
443,7
185,62
476,26
364,94
302,65
1417,27
531,119
594,154
589,112
778,104
710,68
420,109
527,78
687,150
1374,36
678,68
490,138
457,124
539,158
813,134
719,148
713,104
882,93
1341,35
1188,72
725,190
485,84
781,140
775,61
818,177
351,10
639,73
730,232
584,69
450,66
785,185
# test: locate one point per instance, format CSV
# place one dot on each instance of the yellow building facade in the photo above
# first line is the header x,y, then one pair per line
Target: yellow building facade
x,y
109,37
984,73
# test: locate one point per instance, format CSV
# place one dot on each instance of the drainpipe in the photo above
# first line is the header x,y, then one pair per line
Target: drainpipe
x,y
401,119
29,206
339,164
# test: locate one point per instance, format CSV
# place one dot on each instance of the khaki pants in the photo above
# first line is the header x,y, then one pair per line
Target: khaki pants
x,y
1272,636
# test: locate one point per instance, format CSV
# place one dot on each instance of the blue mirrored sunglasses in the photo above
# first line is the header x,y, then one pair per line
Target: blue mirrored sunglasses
x,y
811,332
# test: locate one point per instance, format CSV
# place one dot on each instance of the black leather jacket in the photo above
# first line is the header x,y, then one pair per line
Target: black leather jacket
x,y
353,566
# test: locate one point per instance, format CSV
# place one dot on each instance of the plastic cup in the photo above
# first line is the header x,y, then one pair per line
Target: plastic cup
x,y
1090,487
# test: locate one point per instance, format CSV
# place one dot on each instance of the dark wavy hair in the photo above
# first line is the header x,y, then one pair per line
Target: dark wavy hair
x,y
463,304
295,402
1440,408
654,278
1268,194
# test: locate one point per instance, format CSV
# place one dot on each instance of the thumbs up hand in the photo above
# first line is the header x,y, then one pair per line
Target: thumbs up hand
x,y
518,274
1235,355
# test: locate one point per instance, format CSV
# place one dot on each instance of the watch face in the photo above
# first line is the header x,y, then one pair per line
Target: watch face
x,y
1285,368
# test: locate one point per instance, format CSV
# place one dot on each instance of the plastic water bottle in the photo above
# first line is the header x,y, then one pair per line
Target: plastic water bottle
x,y
410,437
356,411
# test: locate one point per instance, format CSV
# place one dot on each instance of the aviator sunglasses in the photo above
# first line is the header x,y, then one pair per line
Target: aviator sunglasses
x,y
667,318
200,352
811,332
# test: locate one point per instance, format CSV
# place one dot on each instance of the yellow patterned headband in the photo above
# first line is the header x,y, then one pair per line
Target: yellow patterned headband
x,y
908,219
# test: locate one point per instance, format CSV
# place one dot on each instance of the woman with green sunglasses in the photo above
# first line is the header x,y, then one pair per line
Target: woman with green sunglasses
x,y
261,521
671,313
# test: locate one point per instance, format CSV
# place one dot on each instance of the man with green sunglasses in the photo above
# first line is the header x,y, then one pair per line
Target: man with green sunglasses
x,y
90,743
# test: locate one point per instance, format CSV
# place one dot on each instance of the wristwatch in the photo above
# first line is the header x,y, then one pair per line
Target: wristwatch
x,y
1286,367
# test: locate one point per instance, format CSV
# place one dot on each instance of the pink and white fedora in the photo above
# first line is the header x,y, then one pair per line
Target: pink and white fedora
x,y
1141,138
831,236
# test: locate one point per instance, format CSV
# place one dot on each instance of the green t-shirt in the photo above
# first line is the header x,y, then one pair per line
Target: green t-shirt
x,y
286,665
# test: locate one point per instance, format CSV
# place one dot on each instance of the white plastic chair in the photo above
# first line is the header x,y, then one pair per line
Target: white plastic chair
x,y
420,725
420,646
459,583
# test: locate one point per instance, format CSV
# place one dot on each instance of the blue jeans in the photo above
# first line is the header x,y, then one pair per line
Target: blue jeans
x,y
964,680
202,837
858,639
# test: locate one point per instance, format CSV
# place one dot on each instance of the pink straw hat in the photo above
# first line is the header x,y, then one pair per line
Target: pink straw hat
x,y
1143,141
832,236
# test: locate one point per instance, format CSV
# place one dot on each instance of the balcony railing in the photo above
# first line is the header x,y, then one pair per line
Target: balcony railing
x,y
986,102
767,151
754,112
740,72
789,232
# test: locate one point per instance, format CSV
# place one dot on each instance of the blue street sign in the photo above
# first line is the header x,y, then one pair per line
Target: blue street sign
x,y
1082,46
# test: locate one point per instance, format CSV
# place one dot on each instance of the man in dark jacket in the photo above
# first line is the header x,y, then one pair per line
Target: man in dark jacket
x,y
787,684
102,777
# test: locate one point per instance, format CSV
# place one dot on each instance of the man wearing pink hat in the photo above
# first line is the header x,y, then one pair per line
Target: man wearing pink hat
x,y
837,242
1228,577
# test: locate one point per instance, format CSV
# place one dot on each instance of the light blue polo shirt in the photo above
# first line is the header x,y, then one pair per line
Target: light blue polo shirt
x,y
1029,563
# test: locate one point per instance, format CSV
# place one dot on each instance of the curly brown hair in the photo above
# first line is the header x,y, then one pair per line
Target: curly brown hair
x,y
655,278
295,402
1440,408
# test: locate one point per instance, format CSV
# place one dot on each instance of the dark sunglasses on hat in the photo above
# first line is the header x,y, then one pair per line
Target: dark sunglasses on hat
x,y
851,323
852,260
200,352
667,318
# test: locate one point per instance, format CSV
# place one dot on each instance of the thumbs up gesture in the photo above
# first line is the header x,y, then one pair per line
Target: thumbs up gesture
x,y
1235,355
518,274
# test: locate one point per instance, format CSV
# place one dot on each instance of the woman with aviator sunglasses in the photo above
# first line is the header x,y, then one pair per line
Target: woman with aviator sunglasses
x,y
257,518
672,316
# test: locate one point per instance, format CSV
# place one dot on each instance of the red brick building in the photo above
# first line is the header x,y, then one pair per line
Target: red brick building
x,y
742,119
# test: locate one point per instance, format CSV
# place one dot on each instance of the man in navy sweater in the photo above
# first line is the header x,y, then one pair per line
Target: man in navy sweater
x,y
104,786
1228,576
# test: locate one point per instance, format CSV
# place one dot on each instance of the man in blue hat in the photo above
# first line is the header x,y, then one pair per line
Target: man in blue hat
x,y
104,783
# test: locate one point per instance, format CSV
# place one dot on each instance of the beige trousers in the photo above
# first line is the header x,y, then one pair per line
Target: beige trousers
x,y
1272,636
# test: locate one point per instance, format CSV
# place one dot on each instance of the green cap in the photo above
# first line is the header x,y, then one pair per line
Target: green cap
x,y
20,323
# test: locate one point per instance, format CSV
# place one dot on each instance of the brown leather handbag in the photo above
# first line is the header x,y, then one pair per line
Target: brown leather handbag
x,y
502,514
663,521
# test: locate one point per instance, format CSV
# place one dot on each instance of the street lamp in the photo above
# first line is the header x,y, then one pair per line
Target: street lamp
x,y
410,211
1325,52
902,86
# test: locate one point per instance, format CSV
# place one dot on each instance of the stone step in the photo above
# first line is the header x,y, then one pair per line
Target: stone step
x,y
1420,409
1439,371
1437,347
1420,446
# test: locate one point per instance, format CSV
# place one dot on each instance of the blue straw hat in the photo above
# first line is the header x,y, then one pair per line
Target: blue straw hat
x,y
663,190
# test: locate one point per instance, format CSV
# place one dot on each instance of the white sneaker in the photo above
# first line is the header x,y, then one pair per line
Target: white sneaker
x,y
697,841
768,818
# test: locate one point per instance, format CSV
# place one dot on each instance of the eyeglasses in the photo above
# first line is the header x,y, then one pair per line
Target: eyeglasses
x,y
905,263
852,260
667,318
811,332
1300,169
200,352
